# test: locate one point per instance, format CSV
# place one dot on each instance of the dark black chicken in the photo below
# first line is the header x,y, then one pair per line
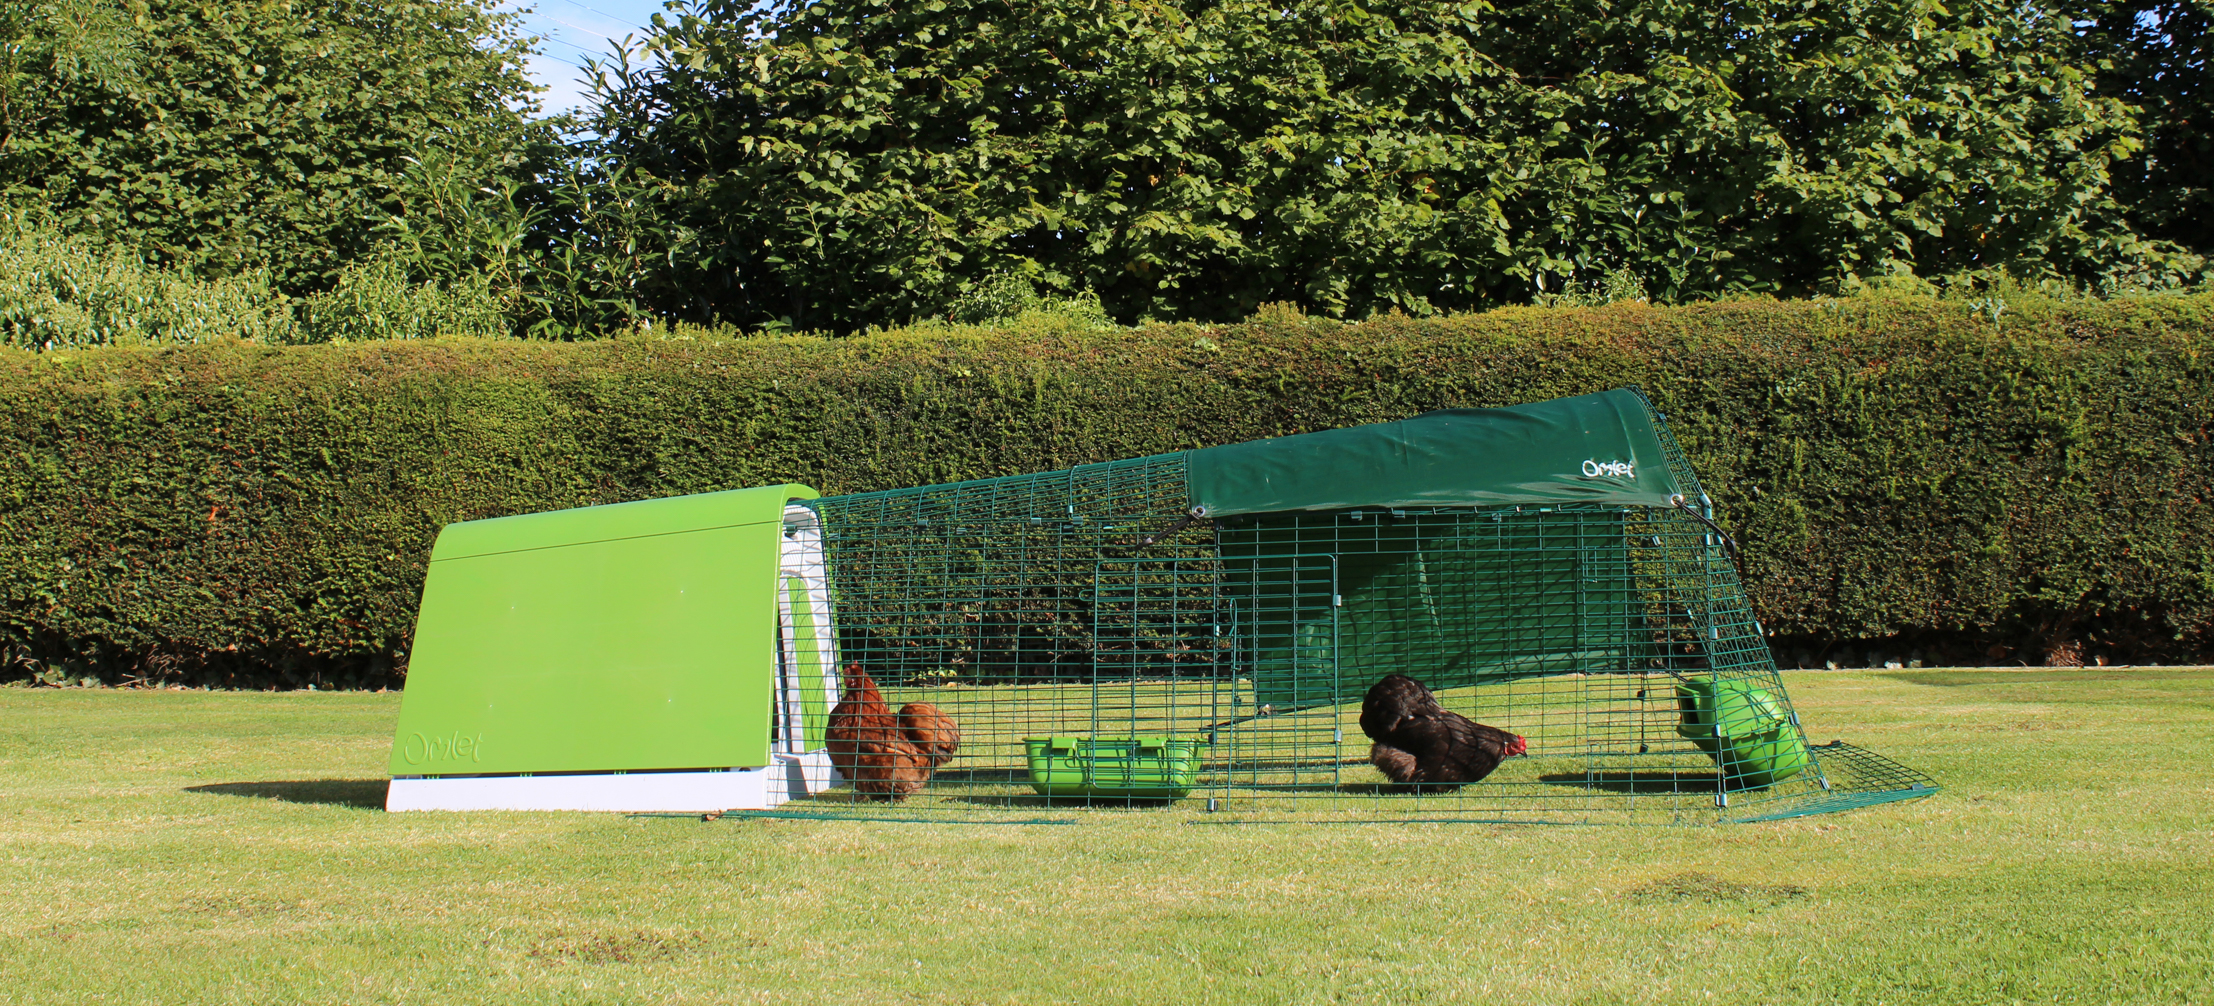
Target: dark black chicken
x,y
1422,743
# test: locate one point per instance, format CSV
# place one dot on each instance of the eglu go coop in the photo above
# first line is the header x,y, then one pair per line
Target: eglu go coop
x,y
1186,631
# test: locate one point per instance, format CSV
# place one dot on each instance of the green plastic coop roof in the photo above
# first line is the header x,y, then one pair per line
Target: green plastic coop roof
x,y
1589,449
622,637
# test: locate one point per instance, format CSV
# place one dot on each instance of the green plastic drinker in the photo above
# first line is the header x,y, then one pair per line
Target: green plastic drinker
x,y
1743,728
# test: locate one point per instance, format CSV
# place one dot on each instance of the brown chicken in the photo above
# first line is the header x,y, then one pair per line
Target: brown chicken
x,y
886,756
934,734
1421,743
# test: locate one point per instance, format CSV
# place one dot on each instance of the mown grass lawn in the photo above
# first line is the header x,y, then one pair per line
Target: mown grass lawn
x,y
187,847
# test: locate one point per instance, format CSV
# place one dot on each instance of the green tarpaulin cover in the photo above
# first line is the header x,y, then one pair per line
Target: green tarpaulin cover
x,y
1588,449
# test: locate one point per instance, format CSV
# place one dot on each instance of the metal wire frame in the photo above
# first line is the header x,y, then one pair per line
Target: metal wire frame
x,y
1085,605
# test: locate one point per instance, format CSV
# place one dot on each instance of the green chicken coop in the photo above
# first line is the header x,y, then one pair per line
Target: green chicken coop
x,y
661,655
1189,630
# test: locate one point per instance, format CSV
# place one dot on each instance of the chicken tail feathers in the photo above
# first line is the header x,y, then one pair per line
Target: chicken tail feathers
x,y
931,731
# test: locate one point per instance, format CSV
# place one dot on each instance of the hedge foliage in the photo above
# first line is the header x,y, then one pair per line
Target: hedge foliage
x,y
2033,477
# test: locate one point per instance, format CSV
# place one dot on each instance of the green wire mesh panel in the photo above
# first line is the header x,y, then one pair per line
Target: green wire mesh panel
x,y
1101,644
1012,606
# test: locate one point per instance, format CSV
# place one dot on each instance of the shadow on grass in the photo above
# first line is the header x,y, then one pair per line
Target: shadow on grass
x,y
365,794
1638,782
1061,802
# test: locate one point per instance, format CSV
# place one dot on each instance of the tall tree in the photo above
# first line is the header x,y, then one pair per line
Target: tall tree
x,y
849,162
2159,56
229,134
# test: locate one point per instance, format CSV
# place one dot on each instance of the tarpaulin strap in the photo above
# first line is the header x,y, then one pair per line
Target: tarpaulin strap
x,y
1198,513
1729,544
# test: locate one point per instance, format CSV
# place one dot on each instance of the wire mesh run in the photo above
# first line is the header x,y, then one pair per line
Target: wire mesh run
x,y
1102,646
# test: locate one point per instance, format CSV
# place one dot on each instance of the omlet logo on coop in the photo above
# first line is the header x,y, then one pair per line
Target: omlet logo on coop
x,y
452,747
1594,468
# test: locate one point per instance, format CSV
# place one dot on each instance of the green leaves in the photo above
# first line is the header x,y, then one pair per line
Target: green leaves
x,y
849,163
2158,55
59,290
1195,161
232,137
1134,150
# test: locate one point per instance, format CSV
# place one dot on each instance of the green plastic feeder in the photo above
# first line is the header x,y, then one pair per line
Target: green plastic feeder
x,y
1144,767
1743,728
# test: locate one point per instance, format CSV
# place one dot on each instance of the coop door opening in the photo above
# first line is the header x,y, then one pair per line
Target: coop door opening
x,y
807,646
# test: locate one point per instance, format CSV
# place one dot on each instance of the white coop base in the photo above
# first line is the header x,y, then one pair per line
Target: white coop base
x,y
789,777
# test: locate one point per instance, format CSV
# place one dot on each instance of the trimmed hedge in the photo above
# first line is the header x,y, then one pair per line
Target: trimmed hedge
x,y
1902,470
